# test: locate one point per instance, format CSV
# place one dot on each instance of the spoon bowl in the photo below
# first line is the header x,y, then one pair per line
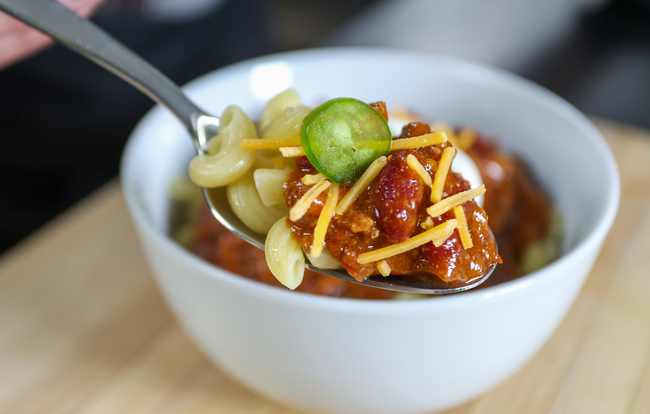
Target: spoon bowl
x,y
83,37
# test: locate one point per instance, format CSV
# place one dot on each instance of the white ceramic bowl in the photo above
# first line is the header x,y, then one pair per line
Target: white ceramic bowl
x,y
351,356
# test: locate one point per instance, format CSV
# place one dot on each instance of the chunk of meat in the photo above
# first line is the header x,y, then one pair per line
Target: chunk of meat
x,y
414,129
399,196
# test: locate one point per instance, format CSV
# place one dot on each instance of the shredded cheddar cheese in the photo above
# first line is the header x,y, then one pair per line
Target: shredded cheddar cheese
x,y
269,143
311,179
415,165
427,224
292,151
324,220
447,129
383,268
300,208
360,185
463,230
441,173
418,142
457,199
437,235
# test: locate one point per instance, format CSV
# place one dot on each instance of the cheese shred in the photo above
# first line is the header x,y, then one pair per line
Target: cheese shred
x,y
457,199
269,143
418,142
383,268
300,208
292,151
427,224
324,220
438,235
415,165
441,173
311,179
360,185
463,230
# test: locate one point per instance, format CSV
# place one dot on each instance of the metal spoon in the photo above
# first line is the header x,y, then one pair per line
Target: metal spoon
x,y
88,40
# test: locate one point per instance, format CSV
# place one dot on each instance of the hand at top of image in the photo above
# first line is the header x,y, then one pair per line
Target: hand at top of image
x,y
18,41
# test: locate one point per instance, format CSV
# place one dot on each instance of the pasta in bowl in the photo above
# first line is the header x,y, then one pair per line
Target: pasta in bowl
x,y
321,354
356,198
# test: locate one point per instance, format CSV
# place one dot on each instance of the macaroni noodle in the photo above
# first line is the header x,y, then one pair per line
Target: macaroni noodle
x,y
284,255
225,161
248,206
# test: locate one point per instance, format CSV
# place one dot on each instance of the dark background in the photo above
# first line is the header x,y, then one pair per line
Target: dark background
x,y
64,121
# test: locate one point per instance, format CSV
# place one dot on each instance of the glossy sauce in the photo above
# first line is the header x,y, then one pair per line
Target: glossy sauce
x,y
391,211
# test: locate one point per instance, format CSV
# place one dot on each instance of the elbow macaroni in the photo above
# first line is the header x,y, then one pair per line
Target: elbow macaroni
x,y
248,206
254,179
269,184
287,124
324,261
284,255
225,161
277,105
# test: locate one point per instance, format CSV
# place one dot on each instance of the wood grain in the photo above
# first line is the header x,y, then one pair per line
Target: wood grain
x,y
83,328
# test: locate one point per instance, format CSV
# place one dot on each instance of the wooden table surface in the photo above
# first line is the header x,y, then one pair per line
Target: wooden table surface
x,y
83,328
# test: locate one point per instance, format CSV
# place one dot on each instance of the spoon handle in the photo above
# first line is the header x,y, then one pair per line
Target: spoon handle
x,y
82,36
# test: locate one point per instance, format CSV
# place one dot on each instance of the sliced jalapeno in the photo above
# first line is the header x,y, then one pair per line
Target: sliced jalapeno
x,y
343,136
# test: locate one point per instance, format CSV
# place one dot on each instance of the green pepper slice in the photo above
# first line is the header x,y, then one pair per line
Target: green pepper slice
x,y
343,136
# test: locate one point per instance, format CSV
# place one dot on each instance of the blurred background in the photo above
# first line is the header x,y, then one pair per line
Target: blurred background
x,y
64,121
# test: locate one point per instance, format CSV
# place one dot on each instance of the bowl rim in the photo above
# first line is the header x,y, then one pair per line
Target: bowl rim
x,y
547,274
